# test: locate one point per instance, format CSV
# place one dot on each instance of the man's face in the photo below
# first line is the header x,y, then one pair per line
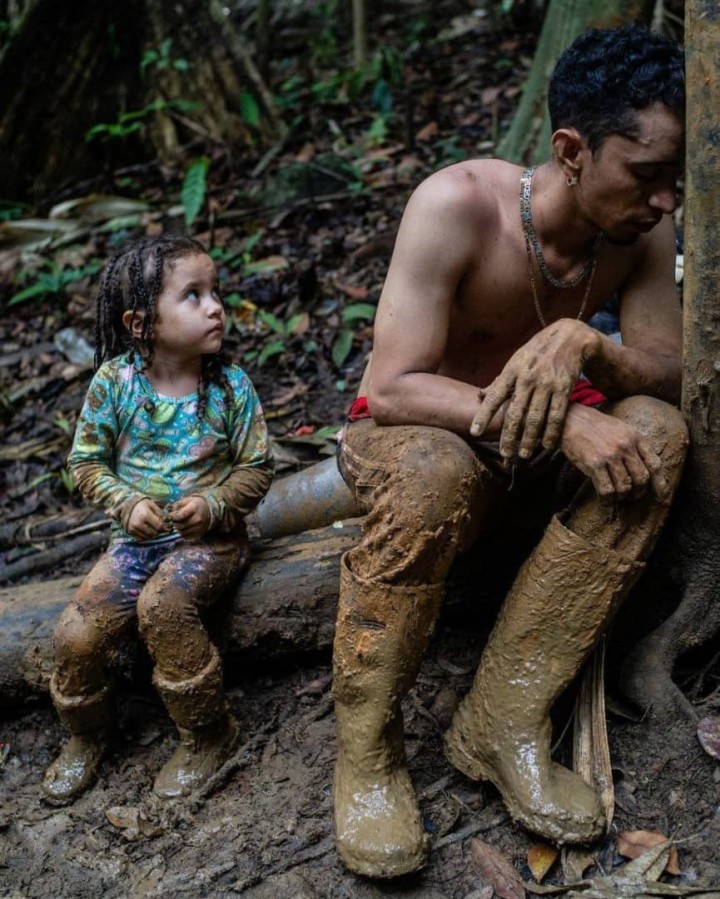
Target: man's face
x,y
631,183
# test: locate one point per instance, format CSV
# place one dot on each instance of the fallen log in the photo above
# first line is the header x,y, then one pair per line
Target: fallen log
x,y
283,608
285,605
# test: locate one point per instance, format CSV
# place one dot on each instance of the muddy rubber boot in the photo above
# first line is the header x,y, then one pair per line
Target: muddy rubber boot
x,y
89,720
208,732
563,598
382,633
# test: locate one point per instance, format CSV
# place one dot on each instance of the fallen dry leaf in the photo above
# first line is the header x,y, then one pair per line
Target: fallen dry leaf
x,y
123,816
427,132
495,867
540,858
708,731
634,843
576,861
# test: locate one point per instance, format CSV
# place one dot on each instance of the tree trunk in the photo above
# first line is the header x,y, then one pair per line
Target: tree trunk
x,y
75,65
360,41
696,518
528,139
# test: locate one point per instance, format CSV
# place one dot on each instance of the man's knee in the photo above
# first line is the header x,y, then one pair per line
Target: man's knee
x,y
661,425
437,475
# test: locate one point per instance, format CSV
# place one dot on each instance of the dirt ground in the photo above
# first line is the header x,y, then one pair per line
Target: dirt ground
x,y
265,831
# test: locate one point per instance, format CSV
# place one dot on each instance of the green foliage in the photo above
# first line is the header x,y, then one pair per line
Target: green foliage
x,y
9,211
130,122
284,331
249,109
355,311
194,188
161,59
54,281
342,345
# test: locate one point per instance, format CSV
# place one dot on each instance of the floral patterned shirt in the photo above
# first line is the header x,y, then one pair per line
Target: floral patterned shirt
x,y
132,443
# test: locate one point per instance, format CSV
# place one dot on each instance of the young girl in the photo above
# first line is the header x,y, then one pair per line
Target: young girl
x,y
171,441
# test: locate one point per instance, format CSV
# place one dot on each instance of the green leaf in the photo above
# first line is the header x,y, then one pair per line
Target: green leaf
x,y
274,348
148,58
272,321
193,189
382,97
341,348
181,65
35,290
358,311
249,109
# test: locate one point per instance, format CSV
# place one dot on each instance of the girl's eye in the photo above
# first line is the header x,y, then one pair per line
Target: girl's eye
x,y
192,295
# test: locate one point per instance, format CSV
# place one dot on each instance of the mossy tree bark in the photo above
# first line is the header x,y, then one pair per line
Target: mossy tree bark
x,y
74,64
528,139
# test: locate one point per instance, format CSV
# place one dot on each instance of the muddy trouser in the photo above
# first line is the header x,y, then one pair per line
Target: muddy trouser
x,y
429,494
161,588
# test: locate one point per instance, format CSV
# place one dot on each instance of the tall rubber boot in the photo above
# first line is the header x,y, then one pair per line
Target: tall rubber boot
x,y
382,633
90,721
208,732
562,600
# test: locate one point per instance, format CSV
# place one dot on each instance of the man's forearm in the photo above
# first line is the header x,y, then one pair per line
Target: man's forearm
x,y
620,371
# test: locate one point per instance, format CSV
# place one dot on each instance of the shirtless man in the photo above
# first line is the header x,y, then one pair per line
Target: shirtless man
x,y
480,339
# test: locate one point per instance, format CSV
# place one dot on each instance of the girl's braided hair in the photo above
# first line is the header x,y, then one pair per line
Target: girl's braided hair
x,y
133,280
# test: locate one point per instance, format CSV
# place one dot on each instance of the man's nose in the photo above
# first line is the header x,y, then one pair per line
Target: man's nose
x,y
664,199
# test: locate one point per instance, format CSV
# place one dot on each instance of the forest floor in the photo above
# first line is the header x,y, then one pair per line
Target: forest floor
x,y
302,241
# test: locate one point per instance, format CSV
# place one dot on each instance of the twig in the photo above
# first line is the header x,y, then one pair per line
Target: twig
x,y
42,561
470,830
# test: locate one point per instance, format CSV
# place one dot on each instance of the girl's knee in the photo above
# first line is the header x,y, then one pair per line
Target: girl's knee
x,y
76,637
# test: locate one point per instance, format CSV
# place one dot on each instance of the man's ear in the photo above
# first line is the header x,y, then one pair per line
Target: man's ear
x,y
569,148
133,321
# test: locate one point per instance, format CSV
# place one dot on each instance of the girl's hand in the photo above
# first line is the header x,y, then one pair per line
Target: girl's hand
x,y
190,517
146,521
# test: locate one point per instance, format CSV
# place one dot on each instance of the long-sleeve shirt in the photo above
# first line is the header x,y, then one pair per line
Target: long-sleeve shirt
x,y
132,443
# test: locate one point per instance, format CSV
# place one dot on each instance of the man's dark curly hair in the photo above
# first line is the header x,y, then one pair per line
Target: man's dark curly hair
x,y
133,280
606,76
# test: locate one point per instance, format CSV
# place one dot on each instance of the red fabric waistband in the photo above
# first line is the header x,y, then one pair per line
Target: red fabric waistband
x,y
583,392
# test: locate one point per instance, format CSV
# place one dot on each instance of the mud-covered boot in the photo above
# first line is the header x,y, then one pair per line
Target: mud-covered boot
x,y
89,720
562,600
208,732
381,635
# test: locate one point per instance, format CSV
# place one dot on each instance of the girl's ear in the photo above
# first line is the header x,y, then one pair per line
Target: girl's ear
x,y
133,322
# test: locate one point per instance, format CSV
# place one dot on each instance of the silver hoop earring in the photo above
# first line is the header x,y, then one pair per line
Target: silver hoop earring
x,y
572,181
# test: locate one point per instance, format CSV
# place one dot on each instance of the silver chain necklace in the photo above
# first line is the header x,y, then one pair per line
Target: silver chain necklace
x,y
532,240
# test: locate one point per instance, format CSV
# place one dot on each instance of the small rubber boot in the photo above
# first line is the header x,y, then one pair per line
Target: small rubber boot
x,y
562,600
208,732
90,721
382,633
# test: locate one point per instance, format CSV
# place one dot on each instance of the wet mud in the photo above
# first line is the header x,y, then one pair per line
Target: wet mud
x,y
266,829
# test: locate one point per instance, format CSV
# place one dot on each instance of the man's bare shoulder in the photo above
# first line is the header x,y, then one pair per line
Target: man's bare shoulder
x,y
475,188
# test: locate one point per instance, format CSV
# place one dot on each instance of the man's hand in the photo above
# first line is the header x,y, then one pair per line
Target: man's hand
x,y
537,381
613,454
146,521
190,517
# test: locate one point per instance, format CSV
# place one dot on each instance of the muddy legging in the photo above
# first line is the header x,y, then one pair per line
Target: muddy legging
x,y
159,587
428,494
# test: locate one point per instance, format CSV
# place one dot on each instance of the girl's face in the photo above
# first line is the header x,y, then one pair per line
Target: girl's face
x,y
189,315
